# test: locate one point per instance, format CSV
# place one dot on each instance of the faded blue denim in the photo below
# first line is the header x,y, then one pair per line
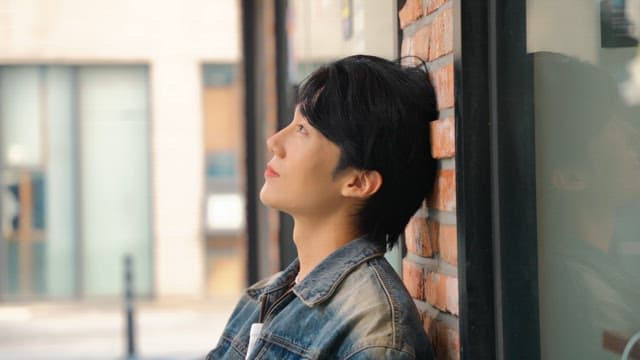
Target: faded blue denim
x,y
352,306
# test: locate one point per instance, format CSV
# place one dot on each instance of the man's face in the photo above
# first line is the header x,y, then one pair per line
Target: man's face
x,y
299,177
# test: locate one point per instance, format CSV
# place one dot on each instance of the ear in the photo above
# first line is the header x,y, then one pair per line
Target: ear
x,y
568,180
362,184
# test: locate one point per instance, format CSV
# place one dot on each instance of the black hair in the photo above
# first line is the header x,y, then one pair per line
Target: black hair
x,y
378,113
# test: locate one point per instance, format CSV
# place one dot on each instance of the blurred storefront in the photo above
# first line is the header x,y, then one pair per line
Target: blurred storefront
x,y
103,151
60,186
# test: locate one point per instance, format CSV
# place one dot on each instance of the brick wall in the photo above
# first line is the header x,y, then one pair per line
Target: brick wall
x,y
430,266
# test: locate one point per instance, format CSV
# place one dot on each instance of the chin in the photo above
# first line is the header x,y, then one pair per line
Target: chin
x,y
273,199
266,197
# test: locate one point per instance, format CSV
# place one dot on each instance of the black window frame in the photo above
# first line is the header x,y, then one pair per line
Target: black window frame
x,y
495,179
249,64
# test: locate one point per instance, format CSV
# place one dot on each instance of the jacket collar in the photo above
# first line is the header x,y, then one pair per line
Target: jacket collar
x,y
321,283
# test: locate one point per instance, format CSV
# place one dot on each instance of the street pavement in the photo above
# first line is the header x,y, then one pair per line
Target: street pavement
x,y
166,330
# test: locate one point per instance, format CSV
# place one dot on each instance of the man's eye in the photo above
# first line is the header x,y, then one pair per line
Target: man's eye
x,y
300,128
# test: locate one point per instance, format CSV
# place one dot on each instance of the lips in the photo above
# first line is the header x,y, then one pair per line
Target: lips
x,y
269,172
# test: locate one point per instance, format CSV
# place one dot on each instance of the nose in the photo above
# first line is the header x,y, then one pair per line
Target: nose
x,y
274,144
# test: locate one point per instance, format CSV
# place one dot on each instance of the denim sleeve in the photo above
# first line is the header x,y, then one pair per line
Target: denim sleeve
x,y
380,352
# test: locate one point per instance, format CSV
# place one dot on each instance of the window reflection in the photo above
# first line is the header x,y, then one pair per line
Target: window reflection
x,y
588,166
586,92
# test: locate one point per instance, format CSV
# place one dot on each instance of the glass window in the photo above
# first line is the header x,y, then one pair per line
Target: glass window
x,y
587,121
37,181
114,170
74,180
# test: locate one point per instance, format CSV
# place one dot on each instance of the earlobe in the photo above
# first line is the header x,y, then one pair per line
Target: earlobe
x,y
362,184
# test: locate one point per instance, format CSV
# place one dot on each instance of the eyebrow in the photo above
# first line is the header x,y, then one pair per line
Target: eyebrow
x,y
302,119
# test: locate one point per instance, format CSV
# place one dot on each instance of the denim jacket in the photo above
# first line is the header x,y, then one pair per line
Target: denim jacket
x,y
351,306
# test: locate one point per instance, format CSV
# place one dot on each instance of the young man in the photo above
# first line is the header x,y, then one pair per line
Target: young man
x,y
351,168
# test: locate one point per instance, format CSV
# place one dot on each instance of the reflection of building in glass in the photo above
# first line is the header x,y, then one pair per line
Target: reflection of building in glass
x,y
101,144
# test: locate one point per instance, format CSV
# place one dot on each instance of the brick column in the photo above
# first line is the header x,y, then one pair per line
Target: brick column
x,y
430,267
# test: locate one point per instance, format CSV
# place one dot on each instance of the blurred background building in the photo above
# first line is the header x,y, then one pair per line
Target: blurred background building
x,y
116,117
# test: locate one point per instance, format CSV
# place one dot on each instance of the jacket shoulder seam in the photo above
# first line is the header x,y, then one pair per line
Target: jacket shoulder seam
x,y
392,306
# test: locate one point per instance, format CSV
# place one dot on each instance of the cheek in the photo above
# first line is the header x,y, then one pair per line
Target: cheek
x,y
316,164
314,180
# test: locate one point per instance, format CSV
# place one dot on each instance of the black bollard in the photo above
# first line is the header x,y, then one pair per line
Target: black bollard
x,y
129,306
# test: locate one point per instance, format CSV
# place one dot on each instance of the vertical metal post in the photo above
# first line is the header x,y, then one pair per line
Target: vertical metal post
x,y
129,307
473,150
78,183
249,17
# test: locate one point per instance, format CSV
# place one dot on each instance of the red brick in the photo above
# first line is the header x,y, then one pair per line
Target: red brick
x,y
434,228
413,276
441,291
410,12
448,243
443,139
452,295
429,324
422,43
407,48
447,342
431,288
442,80
444,192
441,35
417,237
433,5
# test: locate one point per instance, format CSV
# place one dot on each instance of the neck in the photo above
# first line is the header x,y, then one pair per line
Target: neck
x,y
315,240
